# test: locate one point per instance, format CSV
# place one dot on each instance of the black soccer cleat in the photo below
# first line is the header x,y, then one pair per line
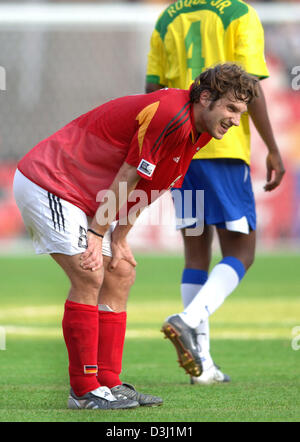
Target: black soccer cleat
x,y
127,391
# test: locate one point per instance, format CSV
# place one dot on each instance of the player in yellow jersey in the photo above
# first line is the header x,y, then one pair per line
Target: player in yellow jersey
x,y
190,36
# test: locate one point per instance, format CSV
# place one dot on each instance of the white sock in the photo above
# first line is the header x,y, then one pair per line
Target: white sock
x,y
222,281
192,282
203,340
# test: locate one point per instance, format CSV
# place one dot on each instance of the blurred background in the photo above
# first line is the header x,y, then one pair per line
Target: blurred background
x,y
60,59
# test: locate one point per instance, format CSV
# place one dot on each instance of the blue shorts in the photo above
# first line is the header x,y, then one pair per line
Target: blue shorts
x,y
227,200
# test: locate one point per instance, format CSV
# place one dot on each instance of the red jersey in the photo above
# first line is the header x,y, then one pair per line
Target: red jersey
x,y
153,132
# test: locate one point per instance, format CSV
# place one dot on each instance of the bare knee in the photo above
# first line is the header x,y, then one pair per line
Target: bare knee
x,y
248,259
85,287
125,273
88,281
85,284
116,286
239,245
120,281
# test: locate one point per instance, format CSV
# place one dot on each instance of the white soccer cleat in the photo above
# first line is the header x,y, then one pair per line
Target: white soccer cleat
x,y
212,375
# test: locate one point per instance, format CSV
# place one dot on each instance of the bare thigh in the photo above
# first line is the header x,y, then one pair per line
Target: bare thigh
x,y
197,249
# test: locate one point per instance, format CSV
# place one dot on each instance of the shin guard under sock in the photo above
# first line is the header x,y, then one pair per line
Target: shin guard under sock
x,y
112,328
80,329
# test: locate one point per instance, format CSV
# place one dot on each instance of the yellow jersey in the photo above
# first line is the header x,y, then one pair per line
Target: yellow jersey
x,y
192,35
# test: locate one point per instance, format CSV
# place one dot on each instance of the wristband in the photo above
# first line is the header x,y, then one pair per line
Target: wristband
x,y
95,233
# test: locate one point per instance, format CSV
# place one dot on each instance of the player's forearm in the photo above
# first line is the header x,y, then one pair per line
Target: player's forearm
x,y
117,195
275,168
124,225
121,231
259,114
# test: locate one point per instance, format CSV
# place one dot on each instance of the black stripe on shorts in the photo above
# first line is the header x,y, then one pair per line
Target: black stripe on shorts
x,y
56,212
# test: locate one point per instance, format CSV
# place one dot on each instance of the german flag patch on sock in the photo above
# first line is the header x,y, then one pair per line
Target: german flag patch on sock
x,y
90,369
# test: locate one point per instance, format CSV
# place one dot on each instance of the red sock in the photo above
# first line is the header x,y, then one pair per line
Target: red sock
x,y
112,328
80,328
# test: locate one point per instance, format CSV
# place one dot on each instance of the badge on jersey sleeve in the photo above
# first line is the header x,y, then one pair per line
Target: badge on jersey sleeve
x,y
146,168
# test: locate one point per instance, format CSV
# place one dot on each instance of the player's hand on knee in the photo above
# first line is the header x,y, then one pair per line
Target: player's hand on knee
x,y
92,258
120,250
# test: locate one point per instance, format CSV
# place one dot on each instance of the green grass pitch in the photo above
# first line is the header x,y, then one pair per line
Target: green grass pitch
x,y
251,338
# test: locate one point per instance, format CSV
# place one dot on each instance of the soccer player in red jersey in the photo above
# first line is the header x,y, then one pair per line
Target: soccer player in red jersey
x,y
69,191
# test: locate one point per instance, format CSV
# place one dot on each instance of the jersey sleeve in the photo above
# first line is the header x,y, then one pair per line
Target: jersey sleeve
x,y
249,50
156,66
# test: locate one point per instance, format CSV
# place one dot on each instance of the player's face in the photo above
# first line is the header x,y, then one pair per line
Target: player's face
x,y
218,116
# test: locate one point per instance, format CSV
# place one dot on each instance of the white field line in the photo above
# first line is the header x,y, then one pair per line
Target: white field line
x,y
56,332
232,323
